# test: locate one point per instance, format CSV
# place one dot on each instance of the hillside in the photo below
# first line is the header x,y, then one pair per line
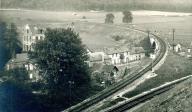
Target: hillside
x,y
111,5
178,99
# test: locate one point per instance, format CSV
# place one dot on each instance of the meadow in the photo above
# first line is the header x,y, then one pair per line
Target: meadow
x,y
161,22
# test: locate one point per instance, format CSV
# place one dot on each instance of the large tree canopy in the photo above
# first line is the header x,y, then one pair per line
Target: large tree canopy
x,y
61,58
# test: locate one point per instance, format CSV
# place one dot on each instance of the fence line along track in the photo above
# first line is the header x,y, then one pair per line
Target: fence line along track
x,y
145,96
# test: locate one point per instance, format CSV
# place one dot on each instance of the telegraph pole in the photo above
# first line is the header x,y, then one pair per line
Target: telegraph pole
x,y
173,39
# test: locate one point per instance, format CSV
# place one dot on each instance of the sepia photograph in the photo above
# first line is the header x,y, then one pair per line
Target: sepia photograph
x,y
95,55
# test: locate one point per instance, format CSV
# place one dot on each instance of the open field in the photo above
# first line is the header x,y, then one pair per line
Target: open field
x,y
161,22
93,34
99,36
174,68
177,99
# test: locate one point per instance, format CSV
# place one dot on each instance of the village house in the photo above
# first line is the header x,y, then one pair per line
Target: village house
x,y
188,50
175,47
116,55
22,61
31,34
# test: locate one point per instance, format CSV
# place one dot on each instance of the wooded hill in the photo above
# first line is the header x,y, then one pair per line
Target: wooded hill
x,y
109,5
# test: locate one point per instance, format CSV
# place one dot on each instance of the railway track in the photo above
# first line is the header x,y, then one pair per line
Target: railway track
x,y
106,93
144,97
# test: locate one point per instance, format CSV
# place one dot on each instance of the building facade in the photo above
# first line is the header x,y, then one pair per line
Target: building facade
x,y
22,61
31,35
116,55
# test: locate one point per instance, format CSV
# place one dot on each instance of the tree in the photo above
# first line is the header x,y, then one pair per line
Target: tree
x,y
16,74
4,56
12,40
146,44
61,57
128,17
109,18
16,93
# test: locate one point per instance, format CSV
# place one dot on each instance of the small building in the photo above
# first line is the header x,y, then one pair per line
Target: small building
x,y
189,48
176,47
107,74
22,61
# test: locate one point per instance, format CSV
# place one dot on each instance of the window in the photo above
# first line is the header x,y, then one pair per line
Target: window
x,y
41,31
30,75
27,48
30,38
36,38
27,38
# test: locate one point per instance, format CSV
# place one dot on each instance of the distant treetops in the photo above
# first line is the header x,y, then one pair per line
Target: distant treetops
x,y
127,17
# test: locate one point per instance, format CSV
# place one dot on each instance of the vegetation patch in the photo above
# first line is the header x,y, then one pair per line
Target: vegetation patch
x,y
174,68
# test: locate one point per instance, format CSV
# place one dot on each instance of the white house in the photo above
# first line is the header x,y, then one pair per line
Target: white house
x,y
117,55
177,48
31,34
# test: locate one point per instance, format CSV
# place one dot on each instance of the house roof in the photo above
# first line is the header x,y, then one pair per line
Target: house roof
x,y
97,58
119,49
34,29
23,57
136,50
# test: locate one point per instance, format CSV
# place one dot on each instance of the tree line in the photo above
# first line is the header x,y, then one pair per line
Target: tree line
x,y
9,42
107,5
127,17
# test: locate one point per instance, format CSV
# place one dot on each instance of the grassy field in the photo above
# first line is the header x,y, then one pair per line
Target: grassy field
x,y
178,99
161,22
174,68
93,34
